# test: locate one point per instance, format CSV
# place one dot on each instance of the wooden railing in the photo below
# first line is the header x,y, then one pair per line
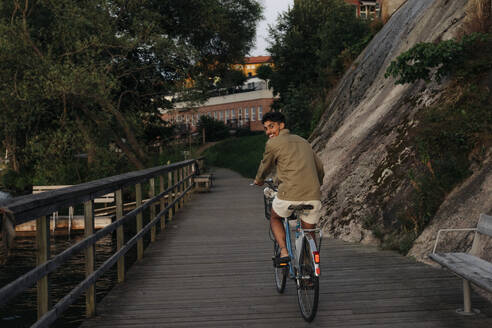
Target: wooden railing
x,y
179,178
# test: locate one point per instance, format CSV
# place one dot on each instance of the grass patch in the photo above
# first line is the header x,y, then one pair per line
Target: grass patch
x,y
242,154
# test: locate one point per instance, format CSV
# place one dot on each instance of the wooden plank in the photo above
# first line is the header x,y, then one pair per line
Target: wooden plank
x,y
120,235
181,187
42,255
485,224
139,220
90,259
162,202
152,209
176,190
212,268
171,195
467,266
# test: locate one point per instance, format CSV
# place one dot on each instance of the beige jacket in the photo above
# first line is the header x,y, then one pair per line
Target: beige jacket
x,y
299,171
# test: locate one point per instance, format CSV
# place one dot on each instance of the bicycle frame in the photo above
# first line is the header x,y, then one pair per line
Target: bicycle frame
x,y
300,236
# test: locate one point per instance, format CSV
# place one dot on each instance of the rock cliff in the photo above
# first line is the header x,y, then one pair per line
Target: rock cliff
x,y
360,137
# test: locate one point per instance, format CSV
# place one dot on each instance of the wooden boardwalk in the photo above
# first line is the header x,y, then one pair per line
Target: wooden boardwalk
x,y
212,268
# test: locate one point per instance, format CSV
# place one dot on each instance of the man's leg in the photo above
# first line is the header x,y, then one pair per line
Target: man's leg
x,y
279,232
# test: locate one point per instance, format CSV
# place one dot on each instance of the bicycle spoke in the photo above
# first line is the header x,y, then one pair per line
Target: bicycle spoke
x,y
280,274
308,288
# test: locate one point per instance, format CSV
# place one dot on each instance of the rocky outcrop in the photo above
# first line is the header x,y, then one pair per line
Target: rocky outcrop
x,y
461,209
360,136
388,7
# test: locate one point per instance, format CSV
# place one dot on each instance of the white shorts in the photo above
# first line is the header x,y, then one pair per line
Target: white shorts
x,y
281,207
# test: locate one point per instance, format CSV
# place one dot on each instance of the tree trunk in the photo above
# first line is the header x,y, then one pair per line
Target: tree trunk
x,y
124,147
10,146
89,141
130,136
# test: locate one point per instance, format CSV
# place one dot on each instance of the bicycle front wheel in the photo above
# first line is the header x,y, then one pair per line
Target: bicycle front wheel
x,y
280,274
307,284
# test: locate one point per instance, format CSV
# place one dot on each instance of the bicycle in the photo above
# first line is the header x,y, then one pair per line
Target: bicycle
x,y
304,266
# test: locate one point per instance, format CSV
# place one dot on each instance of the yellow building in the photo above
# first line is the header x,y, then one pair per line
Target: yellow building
x,y
251,64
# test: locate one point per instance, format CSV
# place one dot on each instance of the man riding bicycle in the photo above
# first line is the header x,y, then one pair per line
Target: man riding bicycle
x,y
299,172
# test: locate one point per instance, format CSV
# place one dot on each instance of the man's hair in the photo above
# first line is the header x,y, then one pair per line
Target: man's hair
x,y
273,117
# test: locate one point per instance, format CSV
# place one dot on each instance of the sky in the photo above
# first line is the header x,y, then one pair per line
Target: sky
x,y
272,8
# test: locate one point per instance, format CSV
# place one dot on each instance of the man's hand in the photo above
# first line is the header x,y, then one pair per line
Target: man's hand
x,y
258,183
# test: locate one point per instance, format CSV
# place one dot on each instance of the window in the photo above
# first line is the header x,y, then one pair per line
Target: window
x,y
260,113
221,115
240,114
253,114
215,115
246,114
233,114
226,115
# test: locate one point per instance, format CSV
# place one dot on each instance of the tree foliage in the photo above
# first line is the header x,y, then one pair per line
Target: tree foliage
x,y
95,70
309,46
214,129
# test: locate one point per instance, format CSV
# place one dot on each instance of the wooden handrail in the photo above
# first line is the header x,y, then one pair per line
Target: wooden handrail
x,y
25,208
20,209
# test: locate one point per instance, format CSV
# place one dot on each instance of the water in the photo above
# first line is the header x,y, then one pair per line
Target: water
x,y
4,195
21,311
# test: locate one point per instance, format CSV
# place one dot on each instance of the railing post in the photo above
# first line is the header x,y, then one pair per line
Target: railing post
x,y
185,184
152,209
90,255
181,188
120,237
175,190
162,202
138,203
188,182
192,179
170,197
42,255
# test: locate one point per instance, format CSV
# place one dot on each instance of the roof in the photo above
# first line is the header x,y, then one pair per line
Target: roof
x,y
257,59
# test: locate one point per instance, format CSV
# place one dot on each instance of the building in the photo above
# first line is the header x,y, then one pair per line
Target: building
x,y
366,8
251,64
242,109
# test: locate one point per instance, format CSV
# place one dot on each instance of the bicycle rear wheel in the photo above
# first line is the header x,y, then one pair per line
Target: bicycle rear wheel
x,y
280,274
307,284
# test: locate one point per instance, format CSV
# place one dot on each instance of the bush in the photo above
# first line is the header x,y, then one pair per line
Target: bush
x,y
214,129
16,183
427,61
242,155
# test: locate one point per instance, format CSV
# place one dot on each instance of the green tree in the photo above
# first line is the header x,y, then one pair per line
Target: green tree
x,y
308,46
97,69
214,129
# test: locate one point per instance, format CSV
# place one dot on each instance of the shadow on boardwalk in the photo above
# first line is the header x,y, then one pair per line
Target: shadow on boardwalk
x,y
212,268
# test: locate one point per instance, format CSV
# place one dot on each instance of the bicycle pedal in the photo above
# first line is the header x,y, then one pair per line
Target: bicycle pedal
x,y
279,264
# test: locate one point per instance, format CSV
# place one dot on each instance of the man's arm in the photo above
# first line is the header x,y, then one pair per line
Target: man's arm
x,y
266,165
319,168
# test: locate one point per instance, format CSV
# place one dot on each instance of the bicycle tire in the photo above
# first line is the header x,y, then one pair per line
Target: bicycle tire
x,y
307,285
280,274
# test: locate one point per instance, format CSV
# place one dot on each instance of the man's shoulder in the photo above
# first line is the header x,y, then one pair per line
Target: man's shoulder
x,y
282,141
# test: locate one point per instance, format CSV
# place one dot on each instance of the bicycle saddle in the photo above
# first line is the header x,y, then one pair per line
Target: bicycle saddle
x,y
301,207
